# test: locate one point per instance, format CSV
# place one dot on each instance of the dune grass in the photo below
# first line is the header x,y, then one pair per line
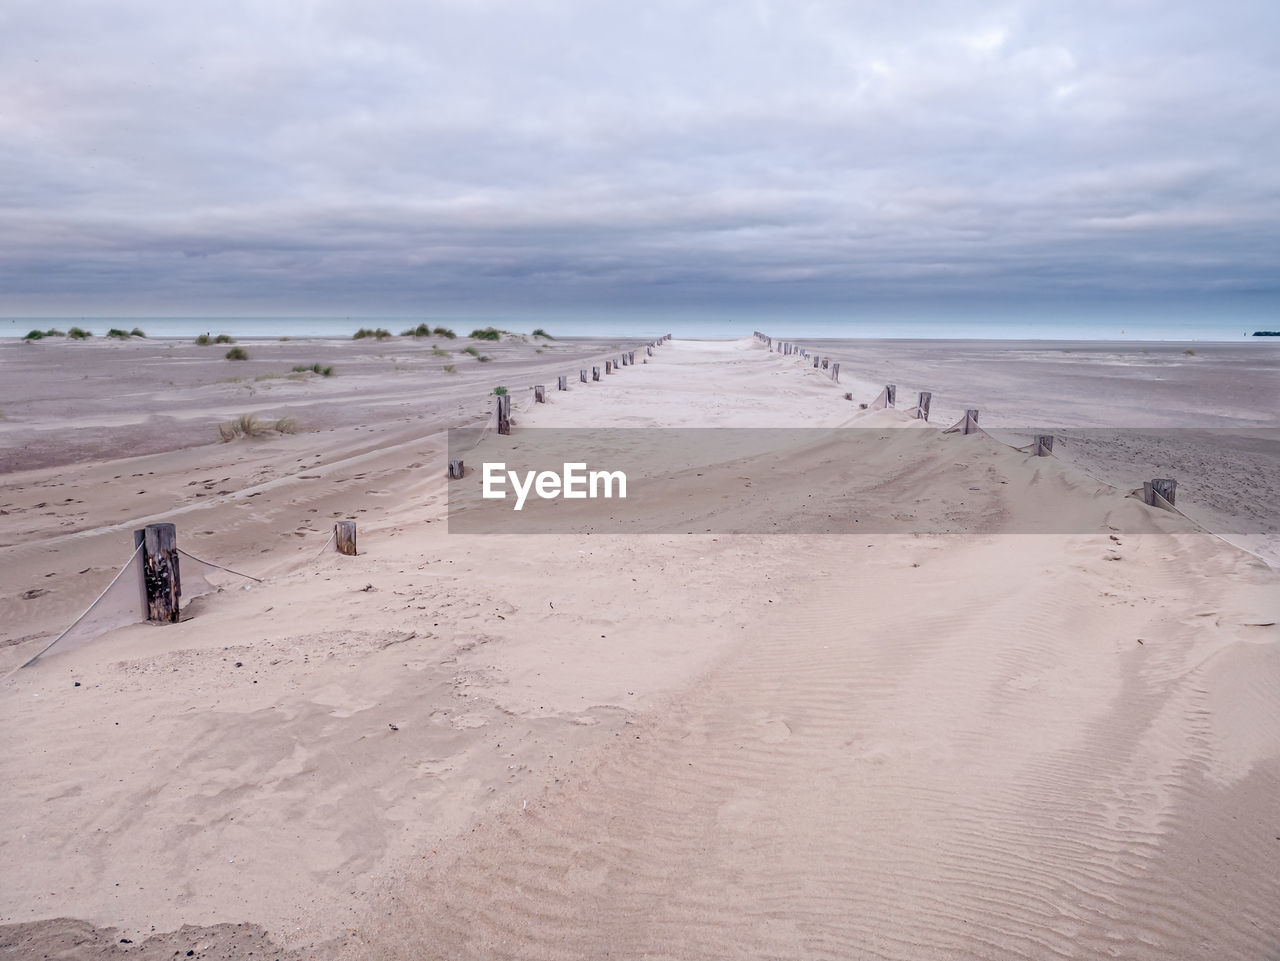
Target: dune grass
x,y
249,425
118,334
379,333
137,332
204,339
450,368
313,369
539,332
488,333
237,353
470,350
79,333
499,390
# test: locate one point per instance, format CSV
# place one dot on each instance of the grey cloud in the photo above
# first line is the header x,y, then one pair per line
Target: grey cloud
x,y
174,155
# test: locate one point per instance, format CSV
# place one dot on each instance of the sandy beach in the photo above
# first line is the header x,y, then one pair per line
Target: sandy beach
x,y
669,745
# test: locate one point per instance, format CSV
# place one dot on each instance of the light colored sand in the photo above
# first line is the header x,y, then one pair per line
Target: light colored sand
x,y
668,746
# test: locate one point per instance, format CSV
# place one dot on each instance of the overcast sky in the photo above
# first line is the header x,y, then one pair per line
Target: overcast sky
x,y
384,157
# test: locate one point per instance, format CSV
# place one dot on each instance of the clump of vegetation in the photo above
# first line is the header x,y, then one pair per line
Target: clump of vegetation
x,y
484,358
450,368
444,332
79,333
204,339
488,333
237,353
118,334
55,332
137,332
422,330
313,369
499,391
35,335
539,332
538,351
1189,352
380,333
248,425
471,350
437,352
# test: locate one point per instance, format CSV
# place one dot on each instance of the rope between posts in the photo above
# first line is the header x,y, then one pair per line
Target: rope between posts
x,y
120,572
201,560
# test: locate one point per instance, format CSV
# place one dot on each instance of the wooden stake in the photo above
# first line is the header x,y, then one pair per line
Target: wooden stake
x,y
835,373
582,375
1043,445
1167,488
608,367
539,394
922,406
562,383
649,351
161,578
815,363
595,373
455,469
504,413
826,362
344,537
891,395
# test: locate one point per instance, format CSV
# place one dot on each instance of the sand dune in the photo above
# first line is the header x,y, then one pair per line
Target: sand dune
x,y
803,744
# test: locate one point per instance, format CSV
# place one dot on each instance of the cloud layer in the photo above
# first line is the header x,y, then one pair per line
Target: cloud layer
x,y
394,156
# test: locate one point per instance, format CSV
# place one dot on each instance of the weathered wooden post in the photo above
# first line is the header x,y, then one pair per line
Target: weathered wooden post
x,y
562,383
608,367
595,373
648,351
455,469
891,395
922,406
1043,446
970,421
826,362
622,361
835,373
815,363
161,578
504,413
539,394
1166,487
344,537
582,375
631,356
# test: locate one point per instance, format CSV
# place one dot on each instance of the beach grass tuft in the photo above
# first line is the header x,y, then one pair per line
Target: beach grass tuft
x,y
248,425
539,332
118,334
79,333
487,333
137,332
471,350
313,369
499,390
444,332
450,368
237,353
377,333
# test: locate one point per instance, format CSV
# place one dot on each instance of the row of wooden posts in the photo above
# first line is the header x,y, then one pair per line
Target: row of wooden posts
x,y
161,573
1041,446
611,366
